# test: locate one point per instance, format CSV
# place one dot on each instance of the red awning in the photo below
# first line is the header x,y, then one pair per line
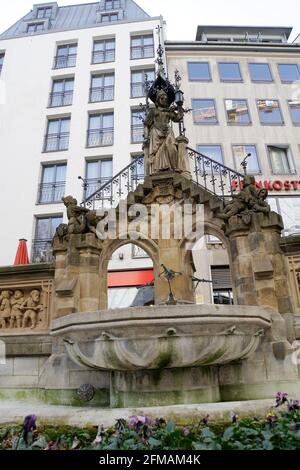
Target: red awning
x,y
130,278
22,253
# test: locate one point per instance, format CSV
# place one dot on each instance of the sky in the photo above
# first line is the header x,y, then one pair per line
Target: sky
x,y
183,16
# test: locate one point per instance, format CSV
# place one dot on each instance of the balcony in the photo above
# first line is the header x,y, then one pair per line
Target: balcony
x,y
64,61
137,133
93,184
41,251
105,93
56,142
51,192
141,52
100,137
63,98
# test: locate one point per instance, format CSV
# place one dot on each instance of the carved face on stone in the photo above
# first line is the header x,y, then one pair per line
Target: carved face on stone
x,y
162,99
35,295
69,200
263,193
6,294
18,294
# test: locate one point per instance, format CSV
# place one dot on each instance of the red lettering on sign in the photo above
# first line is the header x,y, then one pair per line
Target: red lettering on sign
x,y
295,184
277,185
268,185
287,185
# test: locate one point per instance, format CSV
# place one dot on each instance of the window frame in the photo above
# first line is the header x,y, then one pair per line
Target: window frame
x,y
50,165
103,87
52,92
104,41
288,81
35,27
238,123
212,145
66,56
290,159
116,5
58,134
199,79
100,114
257,158
144,72
205,123
44,9
261,63
142,46
226,80
132,126
2,58
297,124
100,179
270,123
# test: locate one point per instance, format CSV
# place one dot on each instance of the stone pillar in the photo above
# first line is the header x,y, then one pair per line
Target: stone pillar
x,y
183,165
259,270
77,274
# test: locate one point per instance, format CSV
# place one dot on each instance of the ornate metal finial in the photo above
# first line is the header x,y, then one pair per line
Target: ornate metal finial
x,y
169,275
160,54
177,80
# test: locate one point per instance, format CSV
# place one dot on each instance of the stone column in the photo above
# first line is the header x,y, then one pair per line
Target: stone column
x,y
77,274
259,271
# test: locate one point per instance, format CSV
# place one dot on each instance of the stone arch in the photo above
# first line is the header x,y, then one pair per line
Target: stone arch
x,y
109,247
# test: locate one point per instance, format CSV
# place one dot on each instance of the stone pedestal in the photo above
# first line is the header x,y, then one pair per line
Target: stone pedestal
x,y
259,271
77,274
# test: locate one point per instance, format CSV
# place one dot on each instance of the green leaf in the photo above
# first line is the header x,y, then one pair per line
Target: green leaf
x,y
267,445
267,435
228,433
154,443
170,426
208,434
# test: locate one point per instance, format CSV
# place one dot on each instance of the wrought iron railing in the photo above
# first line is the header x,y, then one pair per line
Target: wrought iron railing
x,y
141,52
213,176
100,137
51,192
41,251
64,61
56,142
100,57
61,98
104,93
118,187
207,173
92,185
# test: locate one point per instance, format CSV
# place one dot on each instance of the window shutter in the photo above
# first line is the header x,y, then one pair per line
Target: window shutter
x,y
221,277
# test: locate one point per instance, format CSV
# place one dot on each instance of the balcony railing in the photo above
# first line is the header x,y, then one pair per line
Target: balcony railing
x,y
51,192
137,133
56,142
64,61
93,184
63,98
105,93
103,56
142,52
100,137
41,251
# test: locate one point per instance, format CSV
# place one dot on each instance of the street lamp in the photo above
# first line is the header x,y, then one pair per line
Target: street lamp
x,y
84,185
244,163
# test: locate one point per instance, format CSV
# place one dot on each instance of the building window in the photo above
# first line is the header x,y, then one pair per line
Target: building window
x,y
112,5
237,112
102,88
138,81
66,56
58,133
269,112
199,71
239,154
137,127
260,72
98,172
142,47
289,73
211,151
294,107
137,171
204,112
44,12
289,209
52,187
138,252
1,61
109,17
230,72
44,232
35,27
222,285
62,92
280,160
104,51
101,130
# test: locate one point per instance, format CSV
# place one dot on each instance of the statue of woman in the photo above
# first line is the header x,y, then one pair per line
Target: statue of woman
x,y
160,146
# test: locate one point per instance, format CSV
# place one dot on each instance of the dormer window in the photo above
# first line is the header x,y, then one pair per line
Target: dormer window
x,y
109,17
45,12
35,27
112,5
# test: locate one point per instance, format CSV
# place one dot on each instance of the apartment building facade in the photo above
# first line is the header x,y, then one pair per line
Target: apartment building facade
x,y
72,80
242,85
